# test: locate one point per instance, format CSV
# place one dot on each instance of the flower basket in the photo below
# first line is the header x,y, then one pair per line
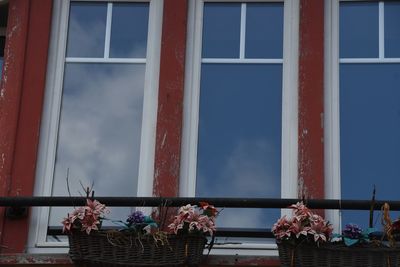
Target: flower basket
x,y
331,254
114,248
287,254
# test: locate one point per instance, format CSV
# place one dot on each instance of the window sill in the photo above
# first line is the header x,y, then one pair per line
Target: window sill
x,y
64,260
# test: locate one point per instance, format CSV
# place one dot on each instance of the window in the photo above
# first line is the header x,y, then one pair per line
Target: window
x,y
240,120
3,26
364,102
100,111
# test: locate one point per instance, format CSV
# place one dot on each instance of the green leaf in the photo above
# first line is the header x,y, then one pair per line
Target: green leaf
x,y
350,242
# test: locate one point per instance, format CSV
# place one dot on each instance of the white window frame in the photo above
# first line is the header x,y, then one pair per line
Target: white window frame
x,y
289,109
332,99
51,112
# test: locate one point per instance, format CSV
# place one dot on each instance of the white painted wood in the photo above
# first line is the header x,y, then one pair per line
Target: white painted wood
x,y
191,100
150,104
369,60
242,31
242,60
105,60
381,30
108,31
289,167
331,109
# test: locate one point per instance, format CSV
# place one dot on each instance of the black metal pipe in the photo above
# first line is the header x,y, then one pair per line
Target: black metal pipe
x,y
176,202
222,232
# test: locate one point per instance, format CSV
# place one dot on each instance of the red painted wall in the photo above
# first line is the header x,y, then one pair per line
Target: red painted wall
x,y
170,99
311,97
22,91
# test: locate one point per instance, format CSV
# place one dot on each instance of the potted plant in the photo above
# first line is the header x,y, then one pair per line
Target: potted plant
x,y
304,228
139,239
306,240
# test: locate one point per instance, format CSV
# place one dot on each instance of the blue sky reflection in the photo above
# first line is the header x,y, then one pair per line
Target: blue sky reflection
x,y
239,151
369,134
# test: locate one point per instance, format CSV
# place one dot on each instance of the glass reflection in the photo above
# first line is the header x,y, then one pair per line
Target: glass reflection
x,y
86,29
239,149
221,30
369,133
264,30
392,29
359,29
99,132
129,30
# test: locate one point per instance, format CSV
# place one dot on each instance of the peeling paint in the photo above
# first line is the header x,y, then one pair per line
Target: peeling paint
x,y
163,140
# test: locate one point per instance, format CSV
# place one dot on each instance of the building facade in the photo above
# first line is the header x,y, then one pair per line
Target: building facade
x,y
272,99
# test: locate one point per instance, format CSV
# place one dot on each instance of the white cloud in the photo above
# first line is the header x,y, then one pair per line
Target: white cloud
x,y
100,127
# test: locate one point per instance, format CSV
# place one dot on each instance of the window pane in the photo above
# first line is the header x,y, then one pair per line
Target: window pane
x,y
264,30
100,127
221,30
86,30
239,150
392,29
369,133
359,30
129,30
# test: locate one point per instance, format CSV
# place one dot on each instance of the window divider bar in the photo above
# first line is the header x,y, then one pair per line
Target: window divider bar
x,y
381,30
243,60
108,31
369,60
243,31
105,60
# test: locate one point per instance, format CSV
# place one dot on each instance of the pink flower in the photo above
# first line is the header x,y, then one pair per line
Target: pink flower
x,y
189,219
67,224
304,224
86,218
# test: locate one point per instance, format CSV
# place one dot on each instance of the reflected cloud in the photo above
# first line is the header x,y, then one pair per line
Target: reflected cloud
x,y
87,28
249,171
100,128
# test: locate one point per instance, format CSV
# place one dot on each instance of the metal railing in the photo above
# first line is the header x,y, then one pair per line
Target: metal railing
x,y
17,206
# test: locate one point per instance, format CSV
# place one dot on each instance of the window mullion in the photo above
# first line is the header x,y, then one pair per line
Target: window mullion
x,y
381,31
108,31
243,30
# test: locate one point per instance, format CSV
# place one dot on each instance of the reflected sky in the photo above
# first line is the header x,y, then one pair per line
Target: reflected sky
x,y
86,29
359,29
221,30
392,29
369,133
264,30
239,149
129,42
100,127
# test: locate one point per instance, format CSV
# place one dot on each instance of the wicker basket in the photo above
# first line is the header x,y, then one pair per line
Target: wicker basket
x,y
287,254
112,248
338,255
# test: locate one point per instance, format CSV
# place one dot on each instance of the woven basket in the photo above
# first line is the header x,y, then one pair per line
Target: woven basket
x,y
112,248
287,254
338,255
